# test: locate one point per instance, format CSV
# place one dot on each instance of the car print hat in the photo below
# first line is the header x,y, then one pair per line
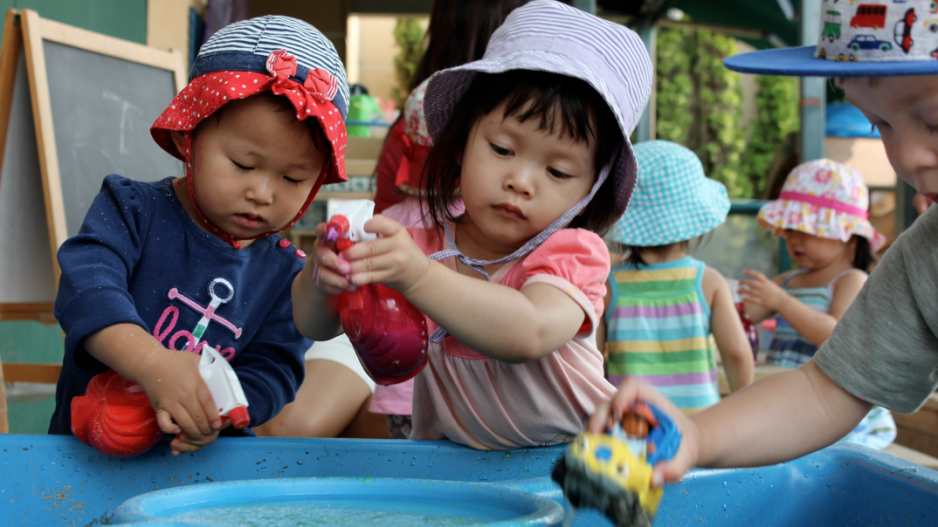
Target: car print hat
x,y
823,198
286,56
858,38
546,35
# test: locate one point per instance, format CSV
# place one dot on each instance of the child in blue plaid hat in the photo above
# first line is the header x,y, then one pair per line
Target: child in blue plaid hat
x,y
661,304
160,270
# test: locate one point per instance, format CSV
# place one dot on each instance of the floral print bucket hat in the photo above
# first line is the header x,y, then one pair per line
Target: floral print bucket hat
x,y
826,199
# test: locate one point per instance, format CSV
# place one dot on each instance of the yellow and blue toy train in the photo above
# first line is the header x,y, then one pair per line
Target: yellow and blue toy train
x,y
611,472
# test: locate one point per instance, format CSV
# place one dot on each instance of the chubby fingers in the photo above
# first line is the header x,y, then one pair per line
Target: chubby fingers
x,y
597,424
629,391
370,261
382,226
165,421
183,443
673,470
208,409
756,276
327,271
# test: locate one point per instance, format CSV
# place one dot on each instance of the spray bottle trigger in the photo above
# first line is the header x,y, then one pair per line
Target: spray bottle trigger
x,y
343,243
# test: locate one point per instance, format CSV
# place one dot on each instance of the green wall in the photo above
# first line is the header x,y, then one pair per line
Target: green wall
x,y
126,19
31,341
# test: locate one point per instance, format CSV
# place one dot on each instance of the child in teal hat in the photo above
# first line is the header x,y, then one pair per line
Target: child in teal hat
x,y
661,304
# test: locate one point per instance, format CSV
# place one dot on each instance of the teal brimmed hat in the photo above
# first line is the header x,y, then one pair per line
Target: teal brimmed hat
x,y
858,38
673,201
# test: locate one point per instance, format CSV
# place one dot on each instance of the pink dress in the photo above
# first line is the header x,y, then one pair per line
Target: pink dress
x,y
489,404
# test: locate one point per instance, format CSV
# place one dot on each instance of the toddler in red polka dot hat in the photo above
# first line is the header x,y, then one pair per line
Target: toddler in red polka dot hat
x,y
267,69
160,270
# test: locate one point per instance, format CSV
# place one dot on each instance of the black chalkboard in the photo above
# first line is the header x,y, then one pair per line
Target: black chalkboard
x,y
102,109
75,106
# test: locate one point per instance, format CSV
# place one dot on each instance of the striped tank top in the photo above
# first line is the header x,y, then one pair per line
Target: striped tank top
x,y
658,330
787,347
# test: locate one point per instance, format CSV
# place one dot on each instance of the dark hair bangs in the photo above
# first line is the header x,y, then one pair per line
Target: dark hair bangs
x,y
561,104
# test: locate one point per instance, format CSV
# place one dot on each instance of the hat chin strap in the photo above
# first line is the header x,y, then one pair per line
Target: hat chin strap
x,y
227,238
524,250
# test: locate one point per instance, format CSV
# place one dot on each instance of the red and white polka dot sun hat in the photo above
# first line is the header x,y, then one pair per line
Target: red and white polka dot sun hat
x,y
286,56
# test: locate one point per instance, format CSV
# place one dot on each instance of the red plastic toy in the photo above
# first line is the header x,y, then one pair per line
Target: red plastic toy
x,y
388,332
115,417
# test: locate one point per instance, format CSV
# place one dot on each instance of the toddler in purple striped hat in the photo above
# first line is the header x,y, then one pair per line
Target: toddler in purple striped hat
x,y
534,139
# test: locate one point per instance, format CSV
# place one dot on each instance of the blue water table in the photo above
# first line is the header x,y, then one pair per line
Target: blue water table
x,y
55,480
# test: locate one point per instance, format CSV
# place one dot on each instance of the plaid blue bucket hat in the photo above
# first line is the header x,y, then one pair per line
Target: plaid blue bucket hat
x,y
674,200
277,53
859,38
547,35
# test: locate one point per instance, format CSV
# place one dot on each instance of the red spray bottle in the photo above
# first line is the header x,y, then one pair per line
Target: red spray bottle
x,y
388,333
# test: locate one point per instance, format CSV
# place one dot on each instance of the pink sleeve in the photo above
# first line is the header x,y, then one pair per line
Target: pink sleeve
x,y
575,261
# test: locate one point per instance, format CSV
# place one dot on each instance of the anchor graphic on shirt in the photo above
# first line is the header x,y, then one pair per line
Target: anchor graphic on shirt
x,y
208,313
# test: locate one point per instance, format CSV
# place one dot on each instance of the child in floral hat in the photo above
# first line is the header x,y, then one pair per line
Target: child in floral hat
x,y
662,305
822,214
160,270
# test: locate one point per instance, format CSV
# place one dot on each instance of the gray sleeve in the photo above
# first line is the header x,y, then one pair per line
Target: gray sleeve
x,y
885,350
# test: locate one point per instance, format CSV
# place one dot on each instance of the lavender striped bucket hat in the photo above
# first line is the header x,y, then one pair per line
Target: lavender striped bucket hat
x,y
547,35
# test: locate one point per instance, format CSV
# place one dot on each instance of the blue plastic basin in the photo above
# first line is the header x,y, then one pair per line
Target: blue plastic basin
x,y
340,502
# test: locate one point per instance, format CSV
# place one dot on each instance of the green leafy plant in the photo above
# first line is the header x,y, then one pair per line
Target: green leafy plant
x,y
408,35
699,103
720,140
777,116
675,94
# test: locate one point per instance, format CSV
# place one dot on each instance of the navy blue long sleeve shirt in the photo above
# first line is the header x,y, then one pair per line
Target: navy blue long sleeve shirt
x,y
140,259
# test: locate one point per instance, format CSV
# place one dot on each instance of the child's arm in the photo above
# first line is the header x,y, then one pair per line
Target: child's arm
x,y
814,326
170,379
757,313
883,351
728,330
501,322
779,418
323,276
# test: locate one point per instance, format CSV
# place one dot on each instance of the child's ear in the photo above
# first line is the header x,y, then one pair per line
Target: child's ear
x,y
179,139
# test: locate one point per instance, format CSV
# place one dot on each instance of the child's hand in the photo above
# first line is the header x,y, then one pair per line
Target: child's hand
x,y
183,443
182,400
393,259
631,391
327,272
762,291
